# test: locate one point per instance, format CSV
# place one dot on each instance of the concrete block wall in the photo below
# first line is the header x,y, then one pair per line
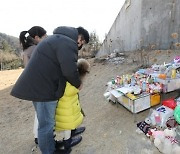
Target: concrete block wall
x,y
144,24
160,20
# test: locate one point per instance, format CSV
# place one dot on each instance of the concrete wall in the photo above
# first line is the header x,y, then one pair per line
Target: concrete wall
x,y
159,22
144,24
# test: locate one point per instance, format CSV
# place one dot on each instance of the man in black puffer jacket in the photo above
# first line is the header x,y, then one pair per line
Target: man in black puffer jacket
x,y
53,62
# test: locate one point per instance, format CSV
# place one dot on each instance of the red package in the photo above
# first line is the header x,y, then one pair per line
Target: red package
x,y
171,103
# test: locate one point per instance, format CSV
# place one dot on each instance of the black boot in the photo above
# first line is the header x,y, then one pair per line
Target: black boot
x,y
62,151
72,142
59,144
36,140
77,131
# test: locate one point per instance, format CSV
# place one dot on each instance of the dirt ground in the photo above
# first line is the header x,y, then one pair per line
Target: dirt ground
x,y
110,129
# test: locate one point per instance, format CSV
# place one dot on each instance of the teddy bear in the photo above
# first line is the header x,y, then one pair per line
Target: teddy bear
x,y
166,143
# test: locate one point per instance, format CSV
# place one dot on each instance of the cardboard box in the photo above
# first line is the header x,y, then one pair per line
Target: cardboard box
x,y
141,103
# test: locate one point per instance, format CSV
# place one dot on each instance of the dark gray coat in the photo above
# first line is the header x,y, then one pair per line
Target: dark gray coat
x,y
53,62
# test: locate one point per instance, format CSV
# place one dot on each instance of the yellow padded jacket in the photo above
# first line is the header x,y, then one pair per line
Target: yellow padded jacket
x,y
68,112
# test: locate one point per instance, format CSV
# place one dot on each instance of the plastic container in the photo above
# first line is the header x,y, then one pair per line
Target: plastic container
x,y
144,86
157,118
162,76
113,81
155,99
173,75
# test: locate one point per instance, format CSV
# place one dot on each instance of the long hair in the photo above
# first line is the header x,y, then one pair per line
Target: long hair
x,y
27,38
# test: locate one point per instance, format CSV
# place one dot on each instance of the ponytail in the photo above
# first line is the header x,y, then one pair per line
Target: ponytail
x,y
27,38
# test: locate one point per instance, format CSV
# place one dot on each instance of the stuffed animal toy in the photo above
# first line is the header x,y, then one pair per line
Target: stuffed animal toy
x,y
166,142
154,133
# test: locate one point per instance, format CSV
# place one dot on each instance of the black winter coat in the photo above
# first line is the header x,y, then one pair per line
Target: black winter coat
x,y
53,62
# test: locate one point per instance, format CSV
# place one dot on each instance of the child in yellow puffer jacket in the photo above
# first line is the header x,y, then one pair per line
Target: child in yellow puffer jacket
x,y
68,112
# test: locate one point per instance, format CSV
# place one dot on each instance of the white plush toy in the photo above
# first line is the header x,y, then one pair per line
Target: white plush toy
x,y
166,143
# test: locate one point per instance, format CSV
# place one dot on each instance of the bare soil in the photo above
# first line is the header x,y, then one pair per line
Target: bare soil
x,y
110,129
